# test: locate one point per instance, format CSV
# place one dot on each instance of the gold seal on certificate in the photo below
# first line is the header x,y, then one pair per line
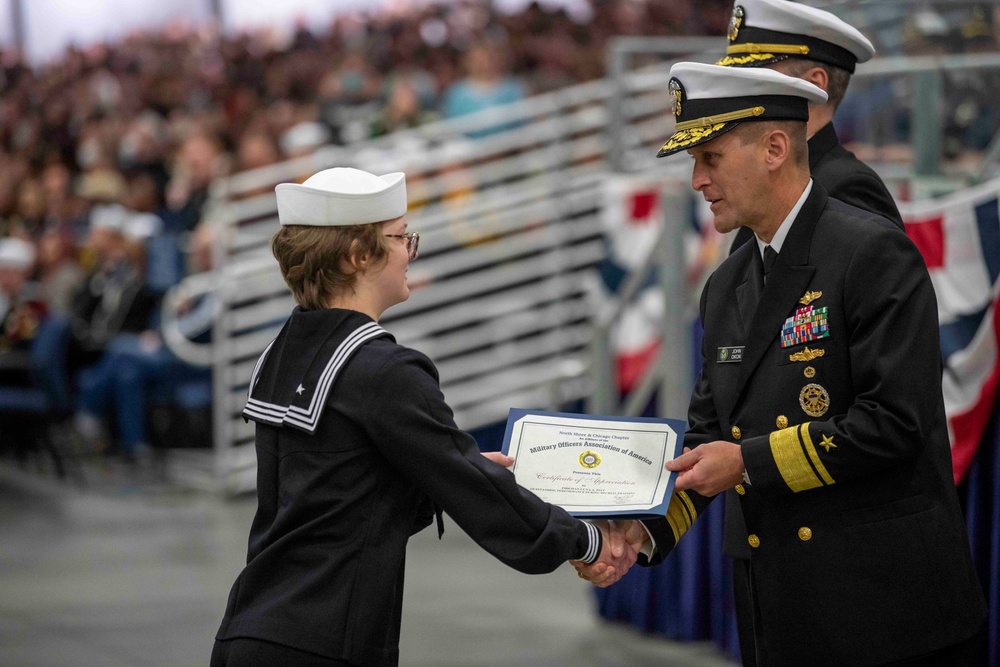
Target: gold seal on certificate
x,y
594,466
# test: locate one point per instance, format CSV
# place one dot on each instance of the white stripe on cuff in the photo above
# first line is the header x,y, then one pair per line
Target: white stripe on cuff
x,y
594,548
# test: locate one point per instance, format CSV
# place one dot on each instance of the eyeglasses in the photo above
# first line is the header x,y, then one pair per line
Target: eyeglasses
x,y
412,241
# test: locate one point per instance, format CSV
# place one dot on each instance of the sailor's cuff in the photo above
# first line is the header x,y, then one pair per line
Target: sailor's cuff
x,y
594,548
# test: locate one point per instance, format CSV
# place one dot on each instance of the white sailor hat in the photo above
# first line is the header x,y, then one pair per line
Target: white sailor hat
x,y
709,100
16,254
342,196
109,216
765,31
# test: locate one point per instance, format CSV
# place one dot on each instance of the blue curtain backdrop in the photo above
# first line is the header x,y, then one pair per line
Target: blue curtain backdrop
x,y
689,596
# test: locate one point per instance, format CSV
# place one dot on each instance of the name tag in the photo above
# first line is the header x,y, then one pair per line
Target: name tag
x,y
730,355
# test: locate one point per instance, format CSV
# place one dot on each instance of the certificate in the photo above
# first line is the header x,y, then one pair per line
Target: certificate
x,y
595,466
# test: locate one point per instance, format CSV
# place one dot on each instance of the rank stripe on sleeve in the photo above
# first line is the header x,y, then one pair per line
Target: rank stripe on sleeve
x,y
797,459
680,514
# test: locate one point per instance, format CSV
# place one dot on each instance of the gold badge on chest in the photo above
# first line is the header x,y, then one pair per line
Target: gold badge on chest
x,y
814,399
809,297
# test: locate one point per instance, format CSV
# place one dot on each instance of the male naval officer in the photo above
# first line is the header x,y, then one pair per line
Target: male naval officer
x,y
815,46
819,400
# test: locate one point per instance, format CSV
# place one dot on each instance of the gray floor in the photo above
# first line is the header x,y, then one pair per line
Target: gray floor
x,y
137,575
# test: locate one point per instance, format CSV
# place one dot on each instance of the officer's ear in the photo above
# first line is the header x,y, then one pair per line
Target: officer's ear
x,y
817,76
778,148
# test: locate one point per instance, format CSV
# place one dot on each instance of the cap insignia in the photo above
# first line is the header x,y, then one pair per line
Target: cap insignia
x,y
676,93
735,21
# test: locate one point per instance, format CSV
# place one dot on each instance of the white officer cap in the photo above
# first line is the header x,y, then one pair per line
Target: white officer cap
x,y
342,196
16,254
304,136
142,226
109,216
765,31
709,100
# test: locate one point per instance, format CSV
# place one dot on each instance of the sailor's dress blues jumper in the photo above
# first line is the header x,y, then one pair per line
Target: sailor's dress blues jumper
x,y
355,446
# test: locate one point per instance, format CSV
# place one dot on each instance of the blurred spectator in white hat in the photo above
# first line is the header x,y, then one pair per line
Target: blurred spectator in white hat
x,y
303,139
115,296
21,311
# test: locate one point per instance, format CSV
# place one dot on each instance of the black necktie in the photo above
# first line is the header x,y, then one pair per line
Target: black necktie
x,y
769,256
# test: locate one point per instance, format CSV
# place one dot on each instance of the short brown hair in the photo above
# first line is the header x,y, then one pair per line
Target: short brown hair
x,y
837,78
316,261
795,129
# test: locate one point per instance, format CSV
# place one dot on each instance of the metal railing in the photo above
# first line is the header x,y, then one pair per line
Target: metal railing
x,y
503,294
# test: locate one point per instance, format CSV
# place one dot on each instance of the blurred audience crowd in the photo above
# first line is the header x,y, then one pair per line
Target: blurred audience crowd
x,y
108,155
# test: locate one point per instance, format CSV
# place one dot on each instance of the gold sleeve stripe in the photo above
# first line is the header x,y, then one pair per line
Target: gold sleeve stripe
x,y
688,505
810,448
784,49
791,459
680,514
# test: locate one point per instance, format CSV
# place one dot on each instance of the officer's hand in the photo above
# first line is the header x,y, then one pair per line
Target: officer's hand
x,y
709,469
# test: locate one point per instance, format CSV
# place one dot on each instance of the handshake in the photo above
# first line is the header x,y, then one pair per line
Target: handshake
x,y
622,541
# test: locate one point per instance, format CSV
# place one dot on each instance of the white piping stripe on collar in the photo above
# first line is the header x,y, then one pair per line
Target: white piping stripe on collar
x,y
308,419
360,335
256,367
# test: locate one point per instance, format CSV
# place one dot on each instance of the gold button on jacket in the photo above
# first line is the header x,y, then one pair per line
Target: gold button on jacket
x,y
753,540
805,533
740,490
781,421
736,432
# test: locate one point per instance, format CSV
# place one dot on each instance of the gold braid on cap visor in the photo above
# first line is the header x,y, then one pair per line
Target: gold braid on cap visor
x,y
760,53
689,132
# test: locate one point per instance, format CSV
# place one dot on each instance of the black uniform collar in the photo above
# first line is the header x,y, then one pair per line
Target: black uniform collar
x,y
822,143
293,377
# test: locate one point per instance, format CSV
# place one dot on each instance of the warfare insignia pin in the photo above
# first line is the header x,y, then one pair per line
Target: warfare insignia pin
x,y
806,355
828,443
735,21
676,96
814,399
809,297
590,459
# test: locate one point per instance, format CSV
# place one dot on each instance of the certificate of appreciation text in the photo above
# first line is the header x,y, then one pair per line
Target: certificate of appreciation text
x,y
595,466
